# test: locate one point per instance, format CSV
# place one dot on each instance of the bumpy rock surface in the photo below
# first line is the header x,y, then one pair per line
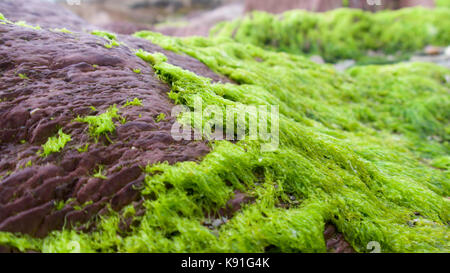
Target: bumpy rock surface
x,y
47,80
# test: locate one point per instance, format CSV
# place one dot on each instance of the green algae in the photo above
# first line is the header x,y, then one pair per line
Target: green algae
x,y
134,102
55,144
112,38
23,76
382,156
102,124
60,204
443,3
28,164
83,149
366,150
343,33
82,206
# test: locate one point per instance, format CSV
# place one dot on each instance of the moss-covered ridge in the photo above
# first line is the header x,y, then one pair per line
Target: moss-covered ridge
x,y
366,150
342,33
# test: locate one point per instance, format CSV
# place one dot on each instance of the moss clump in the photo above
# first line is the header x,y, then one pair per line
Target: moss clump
x,y
59,205
342,33
160,117
102,124
55,144
369,134
100,173
151,58
62,30
134,102
365,150
28,164
82,206
104,34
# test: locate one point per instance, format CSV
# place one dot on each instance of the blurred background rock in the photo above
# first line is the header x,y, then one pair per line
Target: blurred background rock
x,y
196,17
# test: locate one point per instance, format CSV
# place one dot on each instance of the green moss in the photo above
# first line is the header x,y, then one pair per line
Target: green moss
x,y
23,76
81,207
55,144
160,117
100,173
84,148
151,58
342,33
28,164
62,30
104,34
137,71
112,38
2,17
134,102
443,3
328,134
366,150
111,44
442,162
102,124
24,24
59,205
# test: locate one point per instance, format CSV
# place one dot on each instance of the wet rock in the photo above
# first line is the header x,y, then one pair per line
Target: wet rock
x,y
235,204
317,59
345,64
200,24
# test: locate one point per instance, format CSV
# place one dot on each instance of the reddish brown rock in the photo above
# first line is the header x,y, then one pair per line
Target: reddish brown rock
x,y
284,5
411,3
375,5
64,76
